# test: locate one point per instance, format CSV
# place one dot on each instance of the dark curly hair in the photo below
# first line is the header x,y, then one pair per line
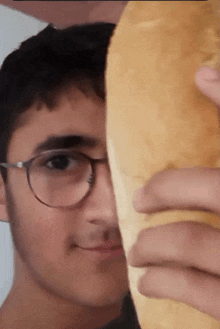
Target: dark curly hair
x,y
44,66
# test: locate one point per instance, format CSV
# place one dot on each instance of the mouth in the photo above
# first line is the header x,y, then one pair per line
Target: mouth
x,y
105,247
103,252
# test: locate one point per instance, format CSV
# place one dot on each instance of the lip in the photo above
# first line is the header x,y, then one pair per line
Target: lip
x,y
103,253
105,248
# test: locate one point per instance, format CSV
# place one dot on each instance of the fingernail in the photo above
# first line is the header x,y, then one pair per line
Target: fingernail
x,y
130,257
211,74
143,201
138,197
139,193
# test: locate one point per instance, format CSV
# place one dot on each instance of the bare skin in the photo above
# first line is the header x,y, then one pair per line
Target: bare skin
x,y
66,13
57,285
201,247
69,305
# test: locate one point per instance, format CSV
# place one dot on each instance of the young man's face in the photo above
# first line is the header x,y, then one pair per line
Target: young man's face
x,y
49,241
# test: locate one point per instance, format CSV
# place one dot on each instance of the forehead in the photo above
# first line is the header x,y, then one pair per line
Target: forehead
x,y
74,114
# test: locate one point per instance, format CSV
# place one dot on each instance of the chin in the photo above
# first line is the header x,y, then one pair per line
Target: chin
x,y
104,292
107,299
94,284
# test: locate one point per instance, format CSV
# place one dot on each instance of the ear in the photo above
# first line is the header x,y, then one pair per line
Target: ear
x,y
3,208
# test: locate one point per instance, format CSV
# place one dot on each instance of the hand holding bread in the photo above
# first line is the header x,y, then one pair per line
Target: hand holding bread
x,y
158,119
185,282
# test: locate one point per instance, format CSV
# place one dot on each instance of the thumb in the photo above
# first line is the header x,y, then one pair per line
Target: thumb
x,y
208,82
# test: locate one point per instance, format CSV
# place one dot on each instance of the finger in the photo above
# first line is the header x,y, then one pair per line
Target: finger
x,y
187,244
208,82
197,289
186,188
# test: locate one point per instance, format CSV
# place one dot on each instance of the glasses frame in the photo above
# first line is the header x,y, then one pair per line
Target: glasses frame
x,y
27,164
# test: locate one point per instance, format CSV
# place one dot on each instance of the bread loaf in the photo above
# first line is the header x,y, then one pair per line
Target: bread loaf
x,y
157,119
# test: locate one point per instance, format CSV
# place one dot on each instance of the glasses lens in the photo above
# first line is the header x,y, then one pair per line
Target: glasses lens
x,y
61,178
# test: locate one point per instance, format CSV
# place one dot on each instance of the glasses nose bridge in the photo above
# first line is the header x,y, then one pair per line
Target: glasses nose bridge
x,y
99,160
94,162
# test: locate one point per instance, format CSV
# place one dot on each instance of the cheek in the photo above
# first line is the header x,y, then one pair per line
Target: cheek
x,y
19,188
41,237
39,231
44,233
40,240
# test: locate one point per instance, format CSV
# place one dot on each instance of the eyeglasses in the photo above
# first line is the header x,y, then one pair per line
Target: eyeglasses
x,y
59,178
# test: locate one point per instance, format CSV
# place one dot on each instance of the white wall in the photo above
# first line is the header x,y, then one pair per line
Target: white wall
x,y
15,27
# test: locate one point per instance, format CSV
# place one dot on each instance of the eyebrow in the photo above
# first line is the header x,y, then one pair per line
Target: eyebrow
x,y
64,142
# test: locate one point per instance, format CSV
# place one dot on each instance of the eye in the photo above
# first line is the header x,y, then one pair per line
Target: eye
x,y
90,180
61,162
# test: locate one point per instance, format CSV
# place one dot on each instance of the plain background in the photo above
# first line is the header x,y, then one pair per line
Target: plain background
x,y
15,27
66,13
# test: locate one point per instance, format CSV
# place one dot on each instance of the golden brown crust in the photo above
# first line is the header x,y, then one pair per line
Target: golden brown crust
x,y
158,119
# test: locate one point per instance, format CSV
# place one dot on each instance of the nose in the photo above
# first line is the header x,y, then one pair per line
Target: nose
x,y
100,204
